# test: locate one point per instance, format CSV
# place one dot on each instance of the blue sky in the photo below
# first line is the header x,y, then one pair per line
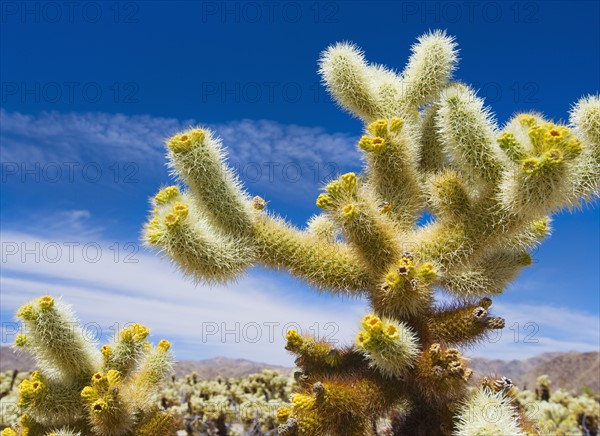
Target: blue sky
x,y
89,91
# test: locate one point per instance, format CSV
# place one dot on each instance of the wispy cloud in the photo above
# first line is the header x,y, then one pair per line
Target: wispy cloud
x,y
534,329
269,156
108,289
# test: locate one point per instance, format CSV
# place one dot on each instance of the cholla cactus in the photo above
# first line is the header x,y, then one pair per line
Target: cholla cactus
x,y
79,390
429,145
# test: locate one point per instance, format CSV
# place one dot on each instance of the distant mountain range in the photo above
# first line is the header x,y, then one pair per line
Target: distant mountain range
x,y
567,370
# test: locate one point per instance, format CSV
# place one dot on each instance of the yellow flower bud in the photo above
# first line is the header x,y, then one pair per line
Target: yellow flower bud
x,y
99,406
366,143
167,194
283,413
180,143
378,128
21,340
324,201
181,210
164,345
26,312
350,212
46,302
293,338
349,182
89,394
396,125
378,145
113,376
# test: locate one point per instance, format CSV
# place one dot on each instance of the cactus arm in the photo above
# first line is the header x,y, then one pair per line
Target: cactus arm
x,y
431,155
329,266
53,336
353,207
488,275
391,168
429,68
348,78
199,249
196,156
468,131
585,120
463,324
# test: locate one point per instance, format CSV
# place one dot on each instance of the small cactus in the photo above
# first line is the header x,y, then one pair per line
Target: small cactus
x,y
79,390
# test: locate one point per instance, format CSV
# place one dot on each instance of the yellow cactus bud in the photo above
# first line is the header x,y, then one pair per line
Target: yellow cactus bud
x,y
167,194
531,165
183,143
366,319
396,125
366,143
378,145
393,279
536,134
372,323
378,128
361,339
46,302
140,332
137,332
293,338
427,272
350,212
556,135
8,432
405,266
283,413
302,402
99,406
164,345
198,136
349,182
334,188
540,228
21,340
324,201
89,394
507,141
32,388
98,378
391,331
527,120
181,210
154,237
26,312
553,156
106,351
171,220
113,376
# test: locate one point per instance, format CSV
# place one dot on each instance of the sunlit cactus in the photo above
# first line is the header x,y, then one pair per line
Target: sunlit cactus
x,y
431,149
80,390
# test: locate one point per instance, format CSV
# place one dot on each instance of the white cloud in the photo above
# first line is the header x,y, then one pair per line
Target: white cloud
x,y
269,156
534,329
245,319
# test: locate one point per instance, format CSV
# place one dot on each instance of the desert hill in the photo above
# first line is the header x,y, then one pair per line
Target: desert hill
x,y
567,370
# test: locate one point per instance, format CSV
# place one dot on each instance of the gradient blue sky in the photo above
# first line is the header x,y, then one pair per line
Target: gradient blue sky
x,y
89,91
